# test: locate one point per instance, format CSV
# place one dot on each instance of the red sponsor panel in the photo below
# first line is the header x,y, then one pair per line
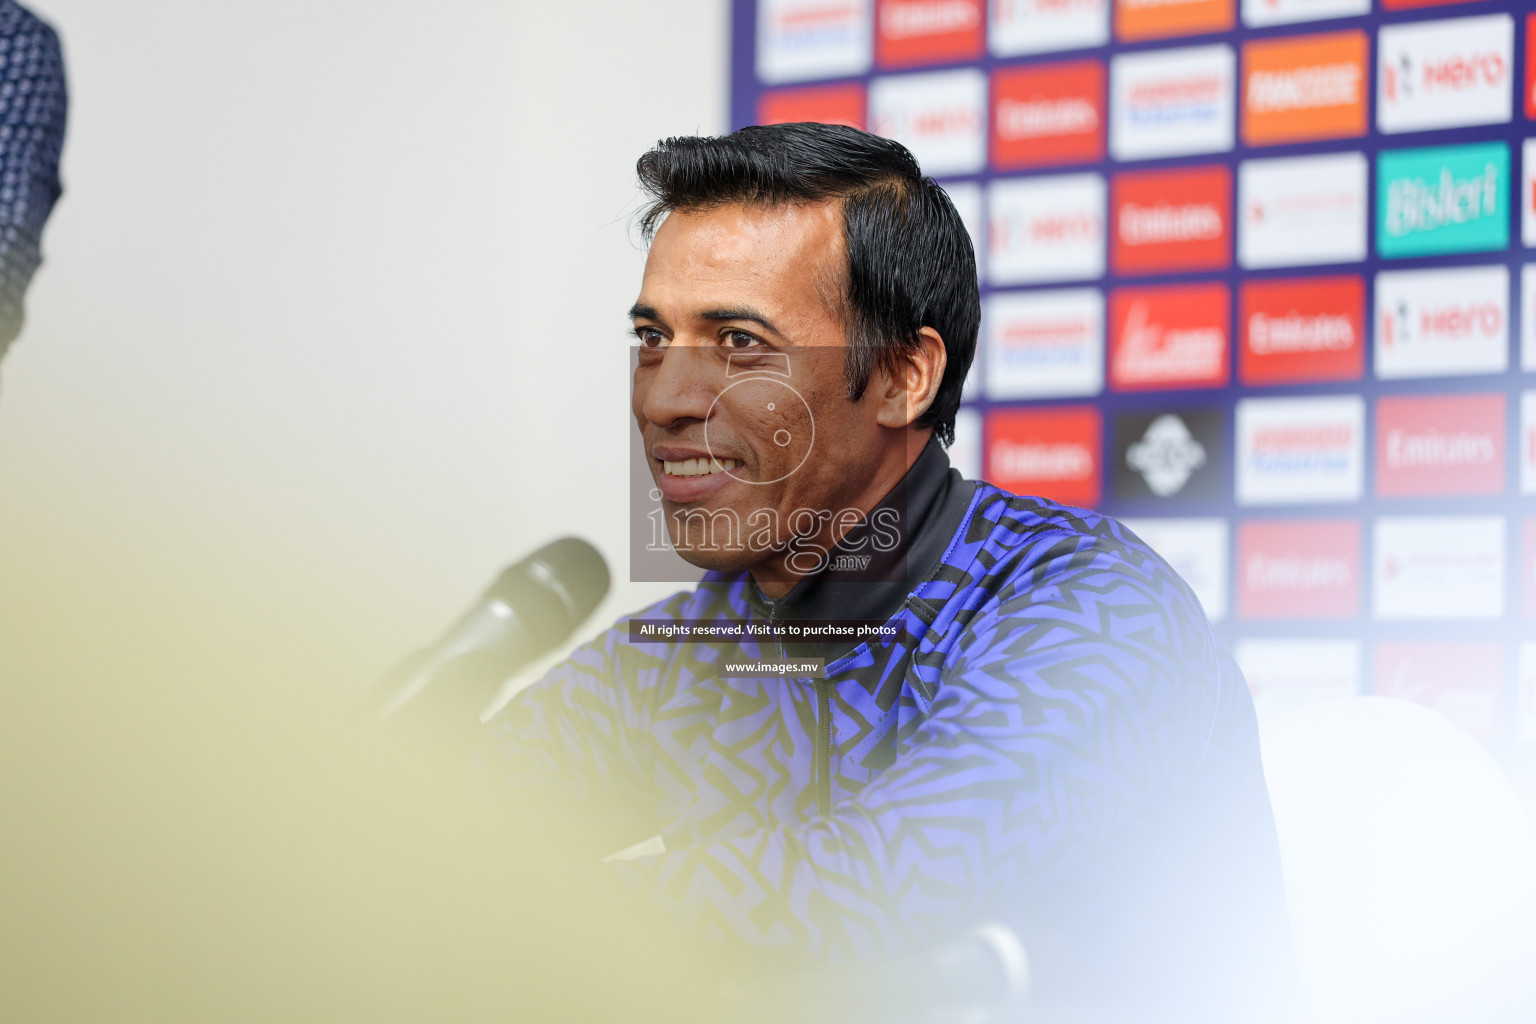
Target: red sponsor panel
x,y
1174,336
1462,681
1048,114
913,32
1169,221
1530,67
1299,569
1428,445
1054,453
1301,330
829,104
1528,567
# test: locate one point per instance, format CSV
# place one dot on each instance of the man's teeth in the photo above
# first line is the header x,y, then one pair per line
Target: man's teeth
x,y
699,467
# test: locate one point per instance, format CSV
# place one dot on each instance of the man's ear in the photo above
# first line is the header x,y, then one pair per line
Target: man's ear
x,y
910,387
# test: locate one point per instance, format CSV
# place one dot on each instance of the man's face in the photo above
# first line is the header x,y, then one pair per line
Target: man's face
x,y
739,391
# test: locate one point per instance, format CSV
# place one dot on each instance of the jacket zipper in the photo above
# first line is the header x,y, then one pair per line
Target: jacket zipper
x,y
823,747
822,760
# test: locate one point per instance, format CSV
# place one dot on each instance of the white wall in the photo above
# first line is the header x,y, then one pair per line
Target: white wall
x,y
331,324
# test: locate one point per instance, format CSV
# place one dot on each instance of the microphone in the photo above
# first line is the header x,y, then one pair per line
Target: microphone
x,y
532,607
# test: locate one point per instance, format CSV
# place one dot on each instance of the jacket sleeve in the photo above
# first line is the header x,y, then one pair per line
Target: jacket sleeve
x,y
1079,693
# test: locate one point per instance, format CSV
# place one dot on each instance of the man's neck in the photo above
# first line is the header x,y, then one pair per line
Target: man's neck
x,y
776,579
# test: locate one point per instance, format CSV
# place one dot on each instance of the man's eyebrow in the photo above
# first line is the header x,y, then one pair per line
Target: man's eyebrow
x,y
640,311
746,313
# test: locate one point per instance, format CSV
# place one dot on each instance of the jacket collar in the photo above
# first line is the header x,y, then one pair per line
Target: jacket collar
x,y
922,513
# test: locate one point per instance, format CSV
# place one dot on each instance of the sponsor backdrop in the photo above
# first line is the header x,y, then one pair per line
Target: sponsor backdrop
x,y
1255,279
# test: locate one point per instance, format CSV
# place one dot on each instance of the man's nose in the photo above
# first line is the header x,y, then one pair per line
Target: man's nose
x,y
683,387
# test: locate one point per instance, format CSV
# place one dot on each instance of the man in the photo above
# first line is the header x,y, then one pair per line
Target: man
x,y
1045,732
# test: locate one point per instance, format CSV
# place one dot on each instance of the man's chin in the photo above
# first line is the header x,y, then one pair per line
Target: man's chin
x,y
713,559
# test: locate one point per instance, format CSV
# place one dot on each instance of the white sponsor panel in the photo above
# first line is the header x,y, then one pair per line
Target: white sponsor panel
x,y
1046,229
1287,674
1258,13
1528,194
1039,26
1304,210
1044,344
1439,567
1445,74
1526,700
1172,102
1196,547
803,39
965,453
941,116
1527,443
1434,323
967,199
1528,317
1300,450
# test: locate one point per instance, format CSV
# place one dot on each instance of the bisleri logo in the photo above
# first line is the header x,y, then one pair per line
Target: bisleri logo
x,y
1442,199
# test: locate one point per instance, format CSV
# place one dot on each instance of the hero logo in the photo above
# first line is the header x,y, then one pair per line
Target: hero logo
x,y
1445,74
928,31
1439,567
1039,26
1048,115
1528,188
940,116
1258,13
803,39
1172,220
1440,445
1304,210
1172,102
1299,569
1302,330
1046,229
1054,452
1044,344
1171,337
1432,323
1300,450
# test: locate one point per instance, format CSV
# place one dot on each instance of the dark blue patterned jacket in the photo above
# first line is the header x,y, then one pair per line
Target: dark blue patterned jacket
x,y
1054,738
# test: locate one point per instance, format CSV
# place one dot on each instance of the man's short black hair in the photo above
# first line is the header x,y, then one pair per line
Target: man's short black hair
x,y
910,262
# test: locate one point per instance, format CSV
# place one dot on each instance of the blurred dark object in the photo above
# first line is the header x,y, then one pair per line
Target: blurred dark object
x,y
33,105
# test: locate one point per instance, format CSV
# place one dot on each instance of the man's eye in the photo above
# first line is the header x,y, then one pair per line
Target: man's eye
x,y
650,337
741,339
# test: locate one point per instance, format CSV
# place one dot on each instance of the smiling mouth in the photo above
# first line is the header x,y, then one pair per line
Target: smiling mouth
x,y
699,467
